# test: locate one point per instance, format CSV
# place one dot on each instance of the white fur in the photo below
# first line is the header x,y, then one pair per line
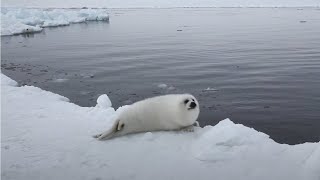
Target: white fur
x,y
168,112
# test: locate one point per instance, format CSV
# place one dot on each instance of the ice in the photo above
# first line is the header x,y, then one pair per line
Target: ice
x,y
10,26
5,81
103,101
60,80
22,20
44,136
165,86
160,4
227,141
210,89
162,86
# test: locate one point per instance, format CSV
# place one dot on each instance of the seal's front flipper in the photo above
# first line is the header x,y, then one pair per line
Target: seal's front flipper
x,y
109,133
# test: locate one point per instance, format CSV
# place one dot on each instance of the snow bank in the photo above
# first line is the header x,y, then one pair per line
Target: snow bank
x,y
46,137
17,21
7,81
162,3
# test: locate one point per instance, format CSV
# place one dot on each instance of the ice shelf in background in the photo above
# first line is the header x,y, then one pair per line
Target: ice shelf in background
x,y
23,20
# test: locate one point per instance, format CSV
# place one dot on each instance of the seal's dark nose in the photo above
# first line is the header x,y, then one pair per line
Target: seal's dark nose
x,y
193,105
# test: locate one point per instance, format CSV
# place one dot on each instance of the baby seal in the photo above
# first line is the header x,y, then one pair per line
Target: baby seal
x,y
161,113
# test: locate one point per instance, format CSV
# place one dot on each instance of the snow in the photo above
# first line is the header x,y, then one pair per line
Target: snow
x,y
44,136
159,4
103,101
22,20
6,81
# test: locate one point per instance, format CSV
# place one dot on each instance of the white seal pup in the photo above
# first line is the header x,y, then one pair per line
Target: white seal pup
x,y
161,113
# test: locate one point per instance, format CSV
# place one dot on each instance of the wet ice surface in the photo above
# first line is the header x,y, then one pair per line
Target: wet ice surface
x,y
261,73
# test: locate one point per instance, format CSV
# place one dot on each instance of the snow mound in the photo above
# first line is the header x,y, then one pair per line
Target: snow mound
x,y
17,21
46,137
227,140
103,101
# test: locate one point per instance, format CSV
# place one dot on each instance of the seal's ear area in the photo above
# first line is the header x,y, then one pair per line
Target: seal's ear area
x,y
120,126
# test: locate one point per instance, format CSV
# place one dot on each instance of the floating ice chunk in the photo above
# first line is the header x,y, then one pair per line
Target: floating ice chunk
x,y
165,86
10,26
210,89
171,88
60,80
17,20
96,16
162,86
103,101
86,75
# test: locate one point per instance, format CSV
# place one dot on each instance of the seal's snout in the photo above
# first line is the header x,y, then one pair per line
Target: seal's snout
x,y
190,103
193,105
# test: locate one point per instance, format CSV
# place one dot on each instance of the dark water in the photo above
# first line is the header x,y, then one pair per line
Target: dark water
x,y
262,66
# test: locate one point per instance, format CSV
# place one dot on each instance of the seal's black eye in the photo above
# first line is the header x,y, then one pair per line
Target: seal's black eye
x,y
122,125
186,101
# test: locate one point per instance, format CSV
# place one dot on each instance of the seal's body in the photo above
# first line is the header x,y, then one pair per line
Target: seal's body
x,y
168,112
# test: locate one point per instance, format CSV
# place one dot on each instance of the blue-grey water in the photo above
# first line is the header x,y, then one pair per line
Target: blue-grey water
x,y
257,66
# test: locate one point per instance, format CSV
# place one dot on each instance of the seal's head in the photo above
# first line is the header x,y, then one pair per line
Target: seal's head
x,y
190,106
